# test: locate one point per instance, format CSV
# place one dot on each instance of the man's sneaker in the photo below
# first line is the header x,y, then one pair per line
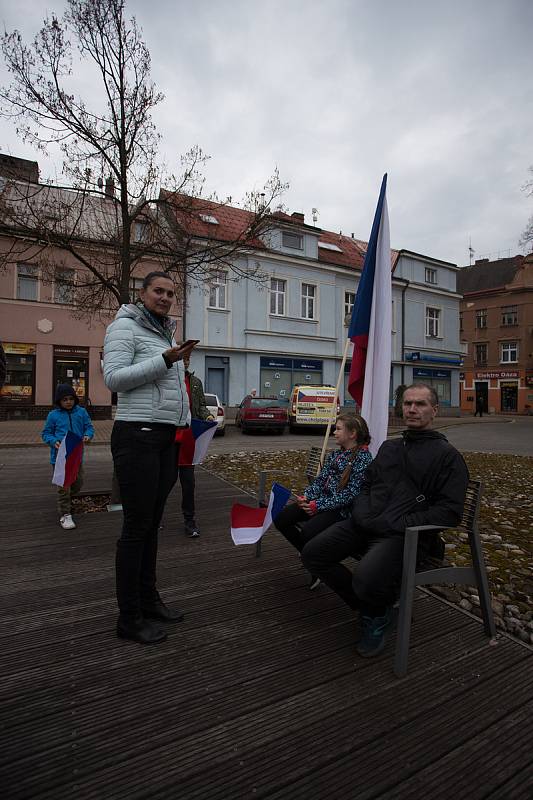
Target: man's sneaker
x,y
372,639
67,522
315,583
191,529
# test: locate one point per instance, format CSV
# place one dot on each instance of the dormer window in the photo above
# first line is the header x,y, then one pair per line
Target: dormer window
x,y
293,240
329,246
209,218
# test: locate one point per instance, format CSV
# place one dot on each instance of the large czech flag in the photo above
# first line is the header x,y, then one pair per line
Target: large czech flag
x,y
370,329
249,524
195,441
68,460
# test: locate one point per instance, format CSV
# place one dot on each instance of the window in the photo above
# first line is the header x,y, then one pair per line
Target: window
x,y
308,300
349,300
481,318
509,315
293,240
64,285
433,322
481,354
277,296
217,290
508,352
140,231
209,218
329,246
27,281
461,321
430,275
135,285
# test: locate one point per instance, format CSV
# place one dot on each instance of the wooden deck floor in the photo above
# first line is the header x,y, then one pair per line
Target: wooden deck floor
x,y
258,694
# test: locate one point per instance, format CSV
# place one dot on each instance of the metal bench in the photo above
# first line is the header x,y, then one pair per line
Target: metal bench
x,y
475,575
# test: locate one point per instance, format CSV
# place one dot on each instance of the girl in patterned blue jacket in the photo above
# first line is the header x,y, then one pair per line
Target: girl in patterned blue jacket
x,y
329,497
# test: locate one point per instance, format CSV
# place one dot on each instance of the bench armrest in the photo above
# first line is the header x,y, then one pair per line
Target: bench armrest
x,y
424,528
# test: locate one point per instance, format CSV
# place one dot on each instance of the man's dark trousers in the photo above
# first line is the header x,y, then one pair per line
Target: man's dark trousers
x,y
375,581
186,476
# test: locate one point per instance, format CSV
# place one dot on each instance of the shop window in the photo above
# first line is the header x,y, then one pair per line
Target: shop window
x,y
19,384
217,290
481,318
64,285
308,300
277,296
433,322
481,354
509,315
27,282
508,352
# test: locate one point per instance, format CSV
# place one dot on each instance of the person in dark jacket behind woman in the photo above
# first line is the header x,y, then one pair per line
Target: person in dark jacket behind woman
x,y
329,497
143,364
419,479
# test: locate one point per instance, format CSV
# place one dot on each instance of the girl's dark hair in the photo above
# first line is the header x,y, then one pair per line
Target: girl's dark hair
x,y
353,422
153,275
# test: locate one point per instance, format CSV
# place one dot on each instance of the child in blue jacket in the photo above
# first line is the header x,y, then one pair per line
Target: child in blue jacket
x,y
329,497
68,416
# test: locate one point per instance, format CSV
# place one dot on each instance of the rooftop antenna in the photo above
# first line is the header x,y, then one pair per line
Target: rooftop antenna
x,y
314,212
471,250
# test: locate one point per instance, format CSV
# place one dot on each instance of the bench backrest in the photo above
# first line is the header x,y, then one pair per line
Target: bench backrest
x,y
471,507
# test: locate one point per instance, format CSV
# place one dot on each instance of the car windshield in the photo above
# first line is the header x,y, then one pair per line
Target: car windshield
x,y
211,400
268,402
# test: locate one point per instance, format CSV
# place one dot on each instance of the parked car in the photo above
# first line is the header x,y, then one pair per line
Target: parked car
x,y
217,410
262,413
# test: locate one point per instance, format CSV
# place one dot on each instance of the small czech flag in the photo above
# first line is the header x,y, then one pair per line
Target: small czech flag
x,y
68,460
194,442
249,524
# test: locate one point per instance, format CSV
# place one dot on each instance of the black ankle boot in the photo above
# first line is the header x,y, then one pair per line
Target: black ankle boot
x,y
139,630
158,610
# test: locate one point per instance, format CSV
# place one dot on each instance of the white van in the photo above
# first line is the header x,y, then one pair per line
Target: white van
x,y
312,406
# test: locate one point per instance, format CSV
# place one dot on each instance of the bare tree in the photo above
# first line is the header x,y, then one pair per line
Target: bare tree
x,y
527,236
114,214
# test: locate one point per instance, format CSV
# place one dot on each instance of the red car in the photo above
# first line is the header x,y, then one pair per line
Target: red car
x,y
262,413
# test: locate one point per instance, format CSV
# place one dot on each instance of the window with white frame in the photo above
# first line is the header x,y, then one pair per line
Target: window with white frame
x,y
277,296
218,290
430,275
64,285
293,240
308,300
136,284
432,322
508,352
349,301
27,282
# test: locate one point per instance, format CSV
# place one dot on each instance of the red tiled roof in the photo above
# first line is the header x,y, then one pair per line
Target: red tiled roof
x,y
233,222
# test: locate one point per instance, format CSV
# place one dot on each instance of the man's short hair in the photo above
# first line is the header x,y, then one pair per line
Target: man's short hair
x,y
433,396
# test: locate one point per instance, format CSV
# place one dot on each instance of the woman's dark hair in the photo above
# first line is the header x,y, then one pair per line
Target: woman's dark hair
x,y
354,423
153,275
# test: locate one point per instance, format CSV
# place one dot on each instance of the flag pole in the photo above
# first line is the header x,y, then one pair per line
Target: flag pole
x,y
333,414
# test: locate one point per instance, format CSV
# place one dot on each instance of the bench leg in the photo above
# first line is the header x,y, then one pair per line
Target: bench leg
x,y
480,570
406,604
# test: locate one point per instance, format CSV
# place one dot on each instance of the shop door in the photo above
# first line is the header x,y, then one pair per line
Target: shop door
x,y
74,371
482,390
509,397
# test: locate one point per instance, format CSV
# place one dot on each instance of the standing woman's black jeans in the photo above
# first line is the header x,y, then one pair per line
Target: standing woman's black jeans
x,y
144,456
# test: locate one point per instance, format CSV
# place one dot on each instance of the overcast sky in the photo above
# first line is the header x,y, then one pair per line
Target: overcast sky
x,y
437,93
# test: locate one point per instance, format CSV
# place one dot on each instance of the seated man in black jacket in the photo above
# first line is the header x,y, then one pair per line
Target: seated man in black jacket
x,y
420,479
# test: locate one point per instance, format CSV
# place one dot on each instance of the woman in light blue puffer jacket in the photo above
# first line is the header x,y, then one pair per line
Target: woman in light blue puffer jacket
x,y
143,364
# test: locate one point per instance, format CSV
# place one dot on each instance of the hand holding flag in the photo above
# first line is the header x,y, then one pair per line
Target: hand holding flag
x,y
68,460
249,524
195,442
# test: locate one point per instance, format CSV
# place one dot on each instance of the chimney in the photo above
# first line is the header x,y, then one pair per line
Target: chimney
x,y
109,187
298,216
19,169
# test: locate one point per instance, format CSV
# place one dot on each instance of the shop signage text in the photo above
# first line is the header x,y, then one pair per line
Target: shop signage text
x,y
498,374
